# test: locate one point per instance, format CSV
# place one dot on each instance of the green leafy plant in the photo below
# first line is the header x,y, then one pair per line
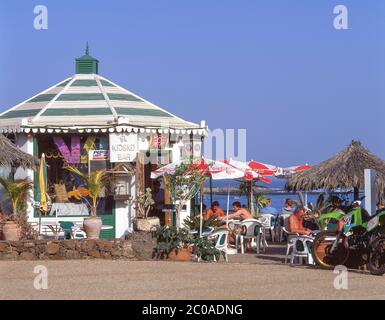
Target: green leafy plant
x,y
262,201
95,182
184,185
143,203
205,249
169,239
193,223
17,192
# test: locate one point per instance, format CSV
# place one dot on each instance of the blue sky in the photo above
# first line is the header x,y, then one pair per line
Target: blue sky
x,y
302,89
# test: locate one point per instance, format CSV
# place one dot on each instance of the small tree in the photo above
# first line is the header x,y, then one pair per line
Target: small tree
x,y
184,185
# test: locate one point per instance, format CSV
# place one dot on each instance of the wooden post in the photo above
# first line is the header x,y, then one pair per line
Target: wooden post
x,y
139,175
356,193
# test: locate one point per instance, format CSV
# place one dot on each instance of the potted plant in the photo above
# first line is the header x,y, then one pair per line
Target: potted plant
x,y
17,192
95,183
143,203
172,243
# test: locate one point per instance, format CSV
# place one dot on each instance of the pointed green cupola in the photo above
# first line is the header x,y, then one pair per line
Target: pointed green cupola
x,y
86,64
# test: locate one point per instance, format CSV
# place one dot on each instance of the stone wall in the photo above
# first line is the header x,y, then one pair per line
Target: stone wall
x,y
66,249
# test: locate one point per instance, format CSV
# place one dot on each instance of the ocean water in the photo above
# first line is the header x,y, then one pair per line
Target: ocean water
x,y
277,199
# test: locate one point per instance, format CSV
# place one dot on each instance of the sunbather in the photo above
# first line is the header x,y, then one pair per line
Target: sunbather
x,y
240,212
296,222
215,211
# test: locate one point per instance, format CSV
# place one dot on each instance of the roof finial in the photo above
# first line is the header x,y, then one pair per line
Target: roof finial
x,y
87,50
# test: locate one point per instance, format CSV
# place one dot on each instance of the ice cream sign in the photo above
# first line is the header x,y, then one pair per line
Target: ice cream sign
x,y
123,147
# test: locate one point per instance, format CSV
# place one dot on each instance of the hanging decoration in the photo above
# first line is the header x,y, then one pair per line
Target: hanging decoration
x,y
70,157
88,145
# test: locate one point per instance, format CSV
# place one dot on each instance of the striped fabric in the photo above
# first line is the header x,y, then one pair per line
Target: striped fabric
x,y
89,100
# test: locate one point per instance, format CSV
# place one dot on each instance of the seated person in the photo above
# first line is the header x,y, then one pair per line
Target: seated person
x,y
269,209
380,207
296,222
198,211
215,211
240,212
288,208
335,205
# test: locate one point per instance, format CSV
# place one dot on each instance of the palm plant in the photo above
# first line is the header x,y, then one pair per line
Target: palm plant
x,y
95,182
260,198
16,191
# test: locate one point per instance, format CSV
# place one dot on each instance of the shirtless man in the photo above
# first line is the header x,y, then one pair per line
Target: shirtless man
x,y
215,211
239,212
296,222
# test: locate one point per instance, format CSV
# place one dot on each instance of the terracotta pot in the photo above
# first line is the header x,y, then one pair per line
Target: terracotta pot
x,y
11,231
92,226
183,254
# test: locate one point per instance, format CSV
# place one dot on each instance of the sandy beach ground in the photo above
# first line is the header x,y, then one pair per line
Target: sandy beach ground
x,y
244,277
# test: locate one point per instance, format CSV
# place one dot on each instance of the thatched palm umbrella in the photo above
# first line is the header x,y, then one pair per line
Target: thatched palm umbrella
x,y
11,155
344,170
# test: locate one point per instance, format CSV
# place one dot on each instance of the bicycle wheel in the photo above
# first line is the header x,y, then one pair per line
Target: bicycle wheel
x,y
322,254
376,261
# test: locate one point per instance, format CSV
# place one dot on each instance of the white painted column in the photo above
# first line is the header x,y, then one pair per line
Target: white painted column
x,y
370,190
25,143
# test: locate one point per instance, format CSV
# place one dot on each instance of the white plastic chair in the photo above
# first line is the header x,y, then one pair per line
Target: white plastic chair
x,y
289,245
221,240
282,224
267,224
301,254
253,232
78,233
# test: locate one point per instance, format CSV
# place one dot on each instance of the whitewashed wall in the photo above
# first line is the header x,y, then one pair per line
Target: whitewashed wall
x,y
25,143
124,215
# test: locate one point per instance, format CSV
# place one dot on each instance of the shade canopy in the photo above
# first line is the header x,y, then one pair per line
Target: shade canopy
x,y
216,169
344,170
11,155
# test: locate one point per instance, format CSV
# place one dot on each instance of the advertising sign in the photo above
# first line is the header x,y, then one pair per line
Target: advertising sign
x,y
123,147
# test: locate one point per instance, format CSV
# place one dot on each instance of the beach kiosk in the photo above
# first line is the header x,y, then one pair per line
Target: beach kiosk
x,y
90,122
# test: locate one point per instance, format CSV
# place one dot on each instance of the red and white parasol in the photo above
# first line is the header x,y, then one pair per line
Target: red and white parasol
x,y
218,170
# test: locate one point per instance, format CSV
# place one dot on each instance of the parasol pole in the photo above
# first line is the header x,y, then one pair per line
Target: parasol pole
x,y
201,215
211,190
251,198
228,205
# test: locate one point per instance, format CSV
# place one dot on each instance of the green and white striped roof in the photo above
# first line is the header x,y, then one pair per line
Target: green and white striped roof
x,y
90,101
